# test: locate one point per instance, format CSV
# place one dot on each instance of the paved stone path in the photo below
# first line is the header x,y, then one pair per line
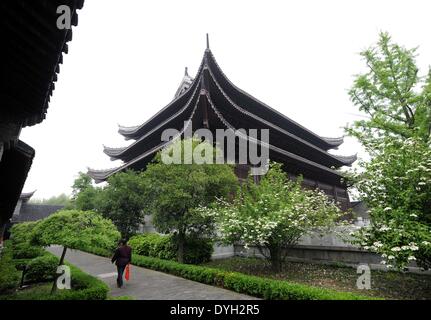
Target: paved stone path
x,y
146,284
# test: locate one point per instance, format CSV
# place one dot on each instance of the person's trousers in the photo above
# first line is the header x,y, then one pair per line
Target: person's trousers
x,y
120,271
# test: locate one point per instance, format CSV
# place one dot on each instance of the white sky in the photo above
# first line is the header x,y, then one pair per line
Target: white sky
x,y
127,58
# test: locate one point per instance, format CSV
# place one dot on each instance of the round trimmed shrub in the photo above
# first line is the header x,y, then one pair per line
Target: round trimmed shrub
x,y
26,251
42,268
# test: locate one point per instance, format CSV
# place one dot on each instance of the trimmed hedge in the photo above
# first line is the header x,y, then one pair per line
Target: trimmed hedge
x,y
196,250
103,252
252,285
42,268
153,245
84,287
9,275
26,251
22,232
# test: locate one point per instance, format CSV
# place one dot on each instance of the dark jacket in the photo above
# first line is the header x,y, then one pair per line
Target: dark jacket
x,y
122,256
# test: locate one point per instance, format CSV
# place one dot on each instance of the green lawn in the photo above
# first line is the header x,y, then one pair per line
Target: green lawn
x,y
393,285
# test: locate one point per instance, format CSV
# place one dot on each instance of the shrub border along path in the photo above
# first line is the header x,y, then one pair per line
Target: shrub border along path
x,y
90,288
146,284
251,285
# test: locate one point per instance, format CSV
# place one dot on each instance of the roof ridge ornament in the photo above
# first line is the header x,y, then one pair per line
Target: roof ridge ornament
x,y
186,73
208,42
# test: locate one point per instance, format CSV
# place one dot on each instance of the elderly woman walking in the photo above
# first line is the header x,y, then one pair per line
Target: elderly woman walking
x,y
122,257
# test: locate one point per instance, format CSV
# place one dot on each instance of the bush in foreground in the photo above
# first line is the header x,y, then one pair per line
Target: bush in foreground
x,y
84,287
197,250
21,232
26,251
42,268
9,275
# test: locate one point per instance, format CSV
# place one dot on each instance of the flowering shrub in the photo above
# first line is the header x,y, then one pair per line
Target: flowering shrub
x,y
396,186
396,183
273,214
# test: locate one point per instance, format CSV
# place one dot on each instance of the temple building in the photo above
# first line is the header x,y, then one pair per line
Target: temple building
x,y
210,100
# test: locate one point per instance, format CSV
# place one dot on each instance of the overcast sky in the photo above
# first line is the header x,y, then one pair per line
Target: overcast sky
x,y
127,59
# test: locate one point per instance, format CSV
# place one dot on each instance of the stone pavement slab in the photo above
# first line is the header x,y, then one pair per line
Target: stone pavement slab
x,y
146,284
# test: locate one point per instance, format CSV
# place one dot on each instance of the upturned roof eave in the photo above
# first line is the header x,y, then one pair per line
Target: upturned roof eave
x,y
121,153
102,175
328,143
133,132
341,160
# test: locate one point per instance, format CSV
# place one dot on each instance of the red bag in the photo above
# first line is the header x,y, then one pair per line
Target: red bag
x,y
127,275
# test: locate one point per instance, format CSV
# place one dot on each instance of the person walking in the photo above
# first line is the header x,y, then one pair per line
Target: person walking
x,y
122,257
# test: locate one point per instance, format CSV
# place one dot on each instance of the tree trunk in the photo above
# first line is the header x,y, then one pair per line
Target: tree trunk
x,y
181,241
275,255
54,285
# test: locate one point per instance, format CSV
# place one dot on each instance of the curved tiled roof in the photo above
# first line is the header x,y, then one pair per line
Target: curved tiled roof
x,y
102,175
344,160
270,146
32,51
137,131
118,152
335,142
265,109
242,107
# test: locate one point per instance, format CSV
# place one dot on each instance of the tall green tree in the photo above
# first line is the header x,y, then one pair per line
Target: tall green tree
x,y
395,183
84,195
123,202
174,191
62,199
273,215
394,96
